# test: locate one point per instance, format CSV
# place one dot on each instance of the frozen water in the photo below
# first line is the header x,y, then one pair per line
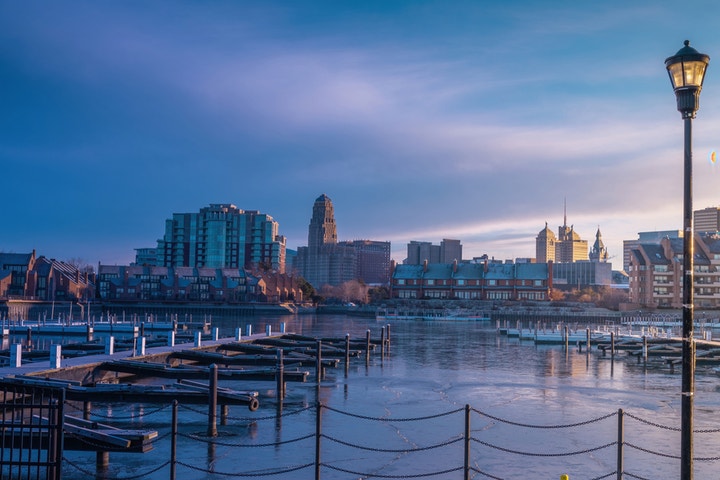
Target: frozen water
x,y
435,368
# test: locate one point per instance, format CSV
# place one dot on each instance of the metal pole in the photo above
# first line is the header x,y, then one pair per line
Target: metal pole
x,y
173,439
466,476
688,362
318,434
620,442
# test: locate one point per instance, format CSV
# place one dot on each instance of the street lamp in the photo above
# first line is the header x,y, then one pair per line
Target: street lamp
x,y
687,72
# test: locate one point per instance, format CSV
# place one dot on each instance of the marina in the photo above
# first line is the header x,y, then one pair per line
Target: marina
x,y
430,366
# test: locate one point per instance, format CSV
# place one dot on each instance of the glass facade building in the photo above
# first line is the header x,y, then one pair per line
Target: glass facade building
x,y
222,236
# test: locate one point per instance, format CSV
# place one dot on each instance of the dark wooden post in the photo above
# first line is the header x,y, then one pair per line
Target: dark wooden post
x,y
212,401
367,346
318,365
347,353
280,375
587,332
382,342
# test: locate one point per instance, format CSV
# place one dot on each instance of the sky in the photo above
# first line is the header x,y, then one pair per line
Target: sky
x,y
421,120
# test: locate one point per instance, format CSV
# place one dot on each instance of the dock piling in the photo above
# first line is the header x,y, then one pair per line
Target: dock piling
x,y
280,375
140,347
16,355
102,460
212,401
318,365
109,345
55,356
367,346
347,353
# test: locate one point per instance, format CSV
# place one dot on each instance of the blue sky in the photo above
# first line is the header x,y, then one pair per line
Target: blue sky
x,y
421,120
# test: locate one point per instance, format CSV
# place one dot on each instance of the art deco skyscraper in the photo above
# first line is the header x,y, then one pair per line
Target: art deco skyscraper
x,y
325,261
322,230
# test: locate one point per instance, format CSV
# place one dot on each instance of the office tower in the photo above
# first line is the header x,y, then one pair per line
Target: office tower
x,y
706,220
545,245
566,247
322,230
450,251
325,261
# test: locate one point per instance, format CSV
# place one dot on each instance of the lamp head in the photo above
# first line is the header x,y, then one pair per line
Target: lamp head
x,y
687,73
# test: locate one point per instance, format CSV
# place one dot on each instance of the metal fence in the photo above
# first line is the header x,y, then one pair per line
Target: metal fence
x,y
31,431
466,452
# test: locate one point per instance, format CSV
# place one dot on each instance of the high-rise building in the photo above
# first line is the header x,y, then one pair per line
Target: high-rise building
x,y
545,245
418,252
566,247
322,230
707,220
222,236
448,251
325,261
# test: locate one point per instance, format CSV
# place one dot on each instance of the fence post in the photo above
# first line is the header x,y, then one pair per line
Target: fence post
x,y
620,442
466,476
318,434
173,439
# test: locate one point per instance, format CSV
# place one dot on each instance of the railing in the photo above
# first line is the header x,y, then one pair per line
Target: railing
x,y
31,431
468,452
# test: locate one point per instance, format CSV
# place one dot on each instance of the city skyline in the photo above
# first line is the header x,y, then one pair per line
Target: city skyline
x,y
420,120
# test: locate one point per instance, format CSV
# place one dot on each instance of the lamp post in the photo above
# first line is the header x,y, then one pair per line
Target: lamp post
x,y
687,72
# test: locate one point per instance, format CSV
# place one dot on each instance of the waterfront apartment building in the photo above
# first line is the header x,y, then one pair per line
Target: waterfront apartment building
x,y
477,281
648,238
448,251
23,276
222,236
134,283
656,277
325,261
